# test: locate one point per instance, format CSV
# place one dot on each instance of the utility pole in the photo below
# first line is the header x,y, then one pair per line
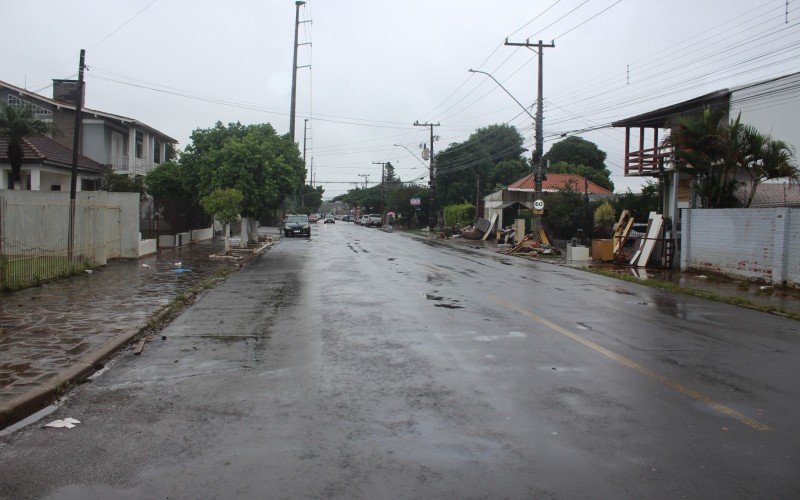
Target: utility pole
x,y
366,179
76,146
537,159
432,215
297,22
383,183
312,171
305,132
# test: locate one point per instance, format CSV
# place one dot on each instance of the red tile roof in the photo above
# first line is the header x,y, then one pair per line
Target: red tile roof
x,y
555,182
47,151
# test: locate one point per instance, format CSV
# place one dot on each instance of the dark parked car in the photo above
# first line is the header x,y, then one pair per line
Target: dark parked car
x,y
297,225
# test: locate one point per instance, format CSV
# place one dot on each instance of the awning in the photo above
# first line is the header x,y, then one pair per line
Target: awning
x,y
512,203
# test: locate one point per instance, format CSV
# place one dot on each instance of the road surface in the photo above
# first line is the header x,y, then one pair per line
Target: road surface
x,y
374,365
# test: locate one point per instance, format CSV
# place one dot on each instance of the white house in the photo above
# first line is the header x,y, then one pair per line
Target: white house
x,y
47,166
125,144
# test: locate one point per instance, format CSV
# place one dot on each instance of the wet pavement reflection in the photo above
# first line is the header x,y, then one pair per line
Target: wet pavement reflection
x,y
44,329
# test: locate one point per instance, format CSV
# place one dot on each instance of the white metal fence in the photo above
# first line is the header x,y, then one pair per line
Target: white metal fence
x,y
34,234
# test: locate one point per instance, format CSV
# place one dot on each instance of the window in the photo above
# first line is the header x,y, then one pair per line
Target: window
x,y
156,151
139,144
38,111
55,187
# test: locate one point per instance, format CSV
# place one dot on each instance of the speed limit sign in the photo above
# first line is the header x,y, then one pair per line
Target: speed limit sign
x,y
538,205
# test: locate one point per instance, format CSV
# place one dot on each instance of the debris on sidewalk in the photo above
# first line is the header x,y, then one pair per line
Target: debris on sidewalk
x,y
68,423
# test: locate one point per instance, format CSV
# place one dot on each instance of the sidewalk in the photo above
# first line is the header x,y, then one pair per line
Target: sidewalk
x,y
53,333
777,298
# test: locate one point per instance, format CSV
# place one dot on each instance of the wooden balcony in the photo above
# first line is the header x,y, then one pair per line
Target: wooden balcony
x,y
644,161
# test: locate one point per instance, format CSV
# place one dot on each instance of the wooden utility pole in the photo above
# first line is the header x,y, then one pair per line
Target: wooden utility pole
x,y
432,215
538,154
76,146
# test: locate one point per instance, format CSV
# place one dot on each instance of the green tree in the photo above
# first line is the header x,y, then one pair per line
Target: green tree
x,y
173,187
123,183
575,150
508,171
263,166
565,209
469,170
604,218
639,204
714,153
17,123
225,205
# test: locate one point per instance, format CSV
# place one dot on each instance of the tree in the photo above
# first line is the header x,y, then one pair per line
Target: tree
x,y
508,171
469,170
123,183
639,204
225,205
17,123
262,165
575,150
599,177
714,153
174,189
604,218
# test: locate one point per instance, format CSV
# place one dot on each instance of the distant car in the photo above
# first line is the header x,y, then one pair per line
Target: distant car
x,y
374,220
313,218
297,225
330,219
363,220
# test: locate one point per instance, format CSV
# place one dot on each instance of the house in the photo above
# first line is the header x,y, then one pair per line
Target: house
x,y
771,106
759,242
521,194
125,144
47,166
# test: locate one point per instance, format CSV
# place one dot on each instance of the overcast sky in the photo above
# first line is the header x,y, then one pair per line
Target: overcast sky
x,y
377,66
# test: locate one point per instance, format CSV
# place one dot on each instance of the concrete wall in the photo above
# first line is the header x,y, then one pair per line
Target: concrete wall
x,y
771,108
202,234
750,243
147,247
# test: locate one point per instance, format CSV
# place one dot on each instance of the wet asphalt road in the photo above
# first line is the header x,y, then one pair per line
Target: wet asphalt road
x,y
373,365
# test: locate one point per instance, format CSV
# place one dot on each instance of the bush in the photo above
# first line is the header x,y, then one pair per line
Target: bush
x,y
459,215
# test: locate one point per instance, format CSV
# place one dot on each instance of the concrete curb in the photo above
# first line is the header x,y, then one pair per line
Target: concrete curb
x,y
23,405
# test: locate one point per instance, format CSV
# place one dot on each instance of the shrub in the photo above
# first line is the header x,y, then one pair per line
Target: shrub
x,y
459,215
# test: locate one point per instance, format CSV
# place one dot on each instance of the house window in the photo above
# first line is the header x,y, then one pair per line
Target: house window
x,y
139,144
55,187
156,151
89,185
38,111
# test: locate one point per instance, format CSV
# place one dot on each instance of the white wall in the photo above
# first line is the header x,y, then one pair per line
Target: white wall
x,y
751,243
771,107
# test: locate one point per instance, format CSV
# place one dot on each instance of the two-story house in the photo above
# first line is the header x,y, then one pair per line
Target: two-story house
x,y
125,144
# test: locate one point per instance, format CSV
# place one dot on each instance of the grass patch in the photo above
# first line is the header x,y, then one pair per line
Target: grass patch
x,y
703,294
18,272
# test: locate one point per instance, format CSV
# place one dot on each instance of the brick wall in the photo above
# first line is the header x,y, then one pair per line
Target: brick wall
x,y
751,243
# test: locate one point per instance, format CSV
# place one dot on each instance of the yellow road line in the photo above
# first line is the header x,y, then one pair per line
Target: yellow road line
x,y
725,410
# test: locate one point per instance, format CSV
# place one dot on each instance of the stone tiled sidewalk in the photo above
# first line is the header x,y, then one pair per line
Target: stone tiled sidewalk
x,y
44,329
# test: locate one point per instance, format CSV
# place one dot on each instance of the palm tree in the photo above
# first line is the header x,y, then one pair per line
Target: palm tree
x,y
16,123
713,152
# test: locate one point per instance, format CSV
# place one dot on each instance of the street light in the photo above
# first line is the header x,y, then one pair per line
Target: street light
x,y
505,89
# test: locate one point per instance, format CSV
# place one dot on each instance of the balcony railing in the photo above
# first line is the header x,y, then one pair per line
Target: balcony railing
x,y
124,165
647,161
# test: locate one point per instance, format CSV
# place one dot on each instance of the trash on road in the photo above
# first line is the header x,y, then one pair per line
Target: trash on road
x,y
68,422
182,270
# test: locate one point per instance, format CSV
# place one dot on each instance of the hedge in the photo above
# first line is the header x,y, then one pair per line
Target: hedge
x,y
459,215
